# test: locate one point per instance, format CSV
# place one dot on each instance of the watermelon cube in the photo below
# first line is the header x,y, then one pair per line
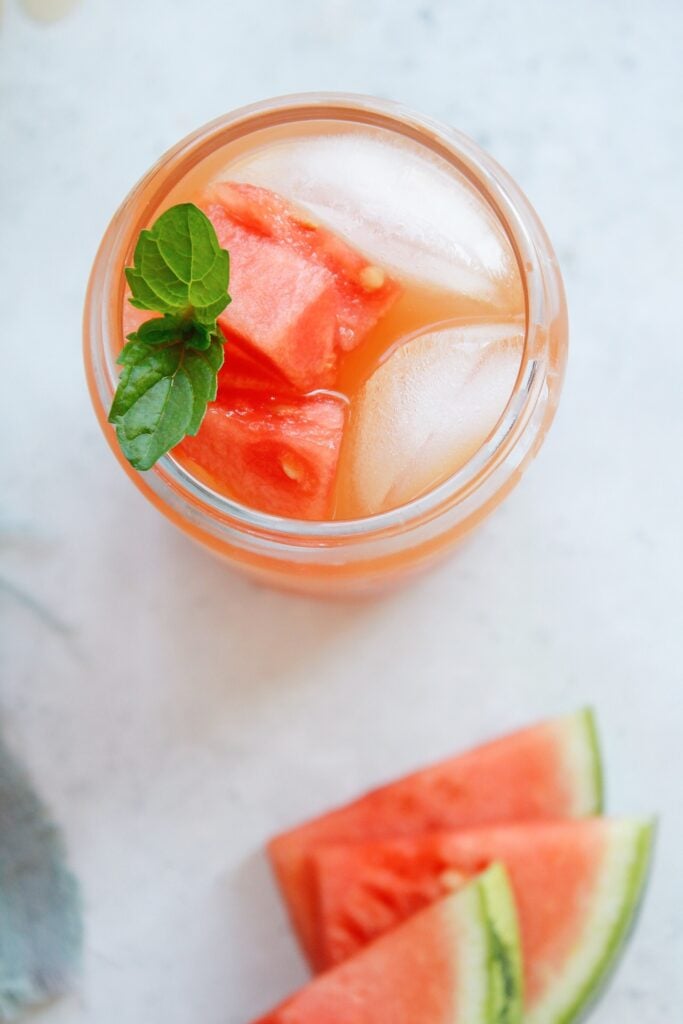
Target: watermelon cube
x,y
274,453
283,306
364,292
242,371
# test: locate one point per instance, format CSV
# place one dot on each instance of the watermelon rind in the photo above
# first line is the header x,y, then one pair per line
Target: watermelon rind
x,y
614,905
504,949
485,935
578,738
598,776
468,925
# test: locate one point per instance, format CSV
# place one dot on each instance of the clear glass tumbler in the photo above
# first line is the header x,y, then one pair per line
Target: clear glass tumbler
x,y
337,557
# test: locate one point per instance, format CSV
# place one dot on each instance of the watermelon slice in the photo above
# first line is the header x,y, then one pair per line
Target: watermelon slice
x,y
577,885
274,453
548,771
364,291
457,962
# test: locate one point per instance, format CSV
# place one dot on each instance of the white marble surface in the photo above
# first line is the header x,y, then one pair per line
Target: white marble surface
x,y
174,715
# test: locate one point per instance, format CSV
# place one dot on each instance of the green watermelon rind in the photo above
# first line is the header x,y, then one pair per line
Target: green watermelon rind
x,y
577,736
467,924
485,908
504,947
633,891
593,739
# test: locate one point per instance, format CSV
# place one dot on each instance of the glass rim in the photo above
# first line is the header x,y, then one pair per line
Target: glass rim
x,y
495,186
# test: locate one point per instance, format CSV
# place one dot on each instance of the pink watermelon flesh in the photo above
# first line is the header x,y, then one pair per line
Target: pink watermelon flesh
x,y
527,775
277,454
409,975
364,293
554,867
283,306
243,372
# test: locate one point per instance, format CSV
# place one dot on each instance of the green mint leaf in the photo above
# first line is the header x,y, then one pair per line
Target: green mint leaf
x,y
154,403
162,396
143,368
199,336
201,369
128,355
179,267
160,331
169,329
156,422
170,364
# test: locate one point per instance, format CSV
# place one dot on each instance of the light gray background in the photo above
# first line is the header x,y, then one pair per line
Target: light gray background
x,y
174,715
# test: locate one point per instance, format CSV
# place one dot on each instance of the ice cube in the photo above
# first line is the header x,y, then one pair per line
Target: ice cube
x,y
408,209
425,411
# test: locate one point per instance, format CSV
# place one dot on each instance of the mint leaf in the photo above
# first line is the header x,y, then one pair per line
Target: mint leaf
x,y
171,328
160,331
179,266
170,364
200,336
143,367
156,421
162,396
202,369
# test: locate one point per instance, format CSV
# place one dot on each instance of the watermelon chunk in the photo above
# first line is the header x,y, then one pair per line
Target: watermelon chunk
x,y
274,453
364,292
577,885
548,771
283,306
242,372
457,962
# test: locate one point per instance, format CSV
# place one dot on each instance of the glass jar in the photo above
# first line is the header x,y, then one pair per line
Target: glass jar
x,y
364,554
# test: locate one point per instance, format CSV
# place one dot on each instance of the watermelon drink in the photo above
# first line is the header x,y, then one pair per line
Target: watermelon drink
x,y
392,351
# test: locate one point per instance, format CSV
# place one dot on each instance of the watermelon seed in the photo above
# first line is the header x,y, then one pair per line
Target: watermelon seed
x,y
372,278
292,467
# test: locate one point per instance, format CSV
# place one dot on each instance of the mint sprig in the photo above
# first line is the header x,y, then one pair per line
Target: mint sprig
x,y
171,363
